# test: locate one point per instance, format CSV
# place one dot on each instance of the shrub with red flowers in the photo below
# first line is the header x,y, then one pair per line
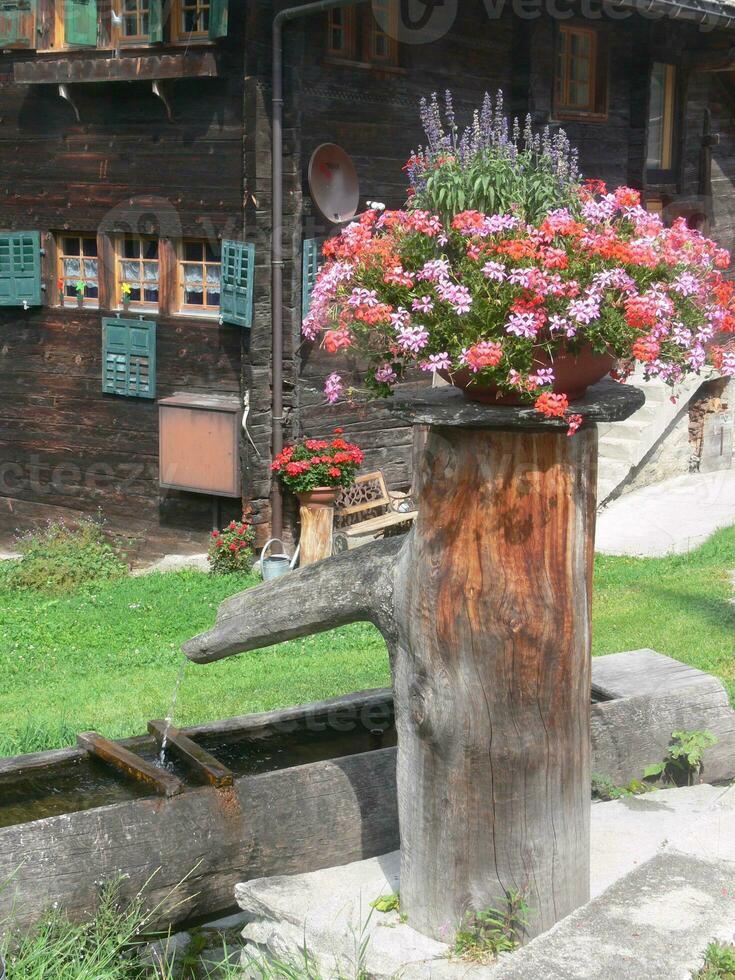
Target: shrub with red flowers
x,y
230,550
315,463
498,297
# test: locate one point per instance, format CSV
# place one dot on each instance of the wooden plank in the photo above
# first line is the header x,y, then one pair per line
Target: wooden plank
x,y
130,764
378,523
284,822
196,758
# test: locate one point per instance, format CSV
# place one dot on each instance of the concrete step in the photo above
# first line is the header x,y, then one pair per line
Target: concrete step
x,y
661,885
624,448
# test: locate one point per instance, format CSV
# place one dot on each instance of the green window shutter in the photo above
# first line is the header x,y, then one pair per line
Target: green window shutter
x,y
20,268
218,18
80,22
155,22
236,292
129,357
17,22
310,268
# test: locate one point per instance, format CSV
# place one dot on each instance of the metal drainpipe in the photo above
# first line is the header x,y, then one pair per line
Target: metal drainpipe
x,y
282,17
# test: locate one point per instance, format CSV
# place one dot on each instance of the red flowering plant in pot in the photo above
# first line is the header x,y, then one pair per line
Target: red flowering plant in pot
x,y
514,279
316,469
231,549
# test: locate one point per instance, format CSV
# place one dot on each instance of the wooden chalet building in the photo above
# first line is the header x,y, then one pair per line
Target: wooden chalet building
x,y
136,212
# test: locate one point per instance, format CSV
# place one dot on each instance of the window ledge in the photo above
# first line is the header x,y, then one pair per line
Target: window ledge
x,y
86,66
193,315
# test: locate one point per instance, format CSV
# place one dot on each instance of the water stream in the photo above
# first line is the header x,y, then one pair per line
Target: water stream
x,y
170,716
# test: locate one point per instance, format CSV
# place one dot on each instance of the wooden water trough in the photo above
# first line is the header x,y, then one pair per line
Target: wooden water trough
x,y
275,793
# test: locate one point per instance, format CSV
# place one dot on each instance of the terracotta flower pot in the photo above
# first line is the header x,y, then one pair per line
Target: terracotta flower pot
x,y
319,497
573,374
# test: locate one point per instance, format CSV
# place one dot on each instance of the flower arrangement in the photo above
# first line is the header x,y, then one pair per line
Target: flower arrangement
x,y
316,463
230,550
125,292
499,300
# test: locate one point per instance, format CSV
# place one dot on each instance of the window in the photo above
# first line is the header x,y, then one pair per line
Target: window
x,y
138,271
141,21
17,23
199,19
20,268
238,274
129,357
364,34
580,81
78,269
661,118
199,277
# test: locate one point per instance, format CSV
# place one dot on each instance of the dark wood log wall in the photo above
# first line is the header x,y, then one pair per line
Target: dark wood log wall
x,y
209,173
64,446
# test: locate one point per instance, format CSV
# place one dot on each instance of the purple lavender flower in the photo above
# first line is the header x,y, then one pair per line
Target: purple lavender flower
x,y
434,270
685,284
585,310
400,318
363,297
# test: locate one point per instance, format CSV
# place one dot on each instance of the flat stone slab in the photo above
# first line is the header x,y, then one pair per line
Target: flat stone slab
x,y
607,401
671,517
174,563
663,884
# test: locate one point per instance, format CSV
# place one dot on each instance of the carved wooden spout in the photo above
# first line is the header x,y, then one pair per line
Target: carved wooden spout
x,y
485,608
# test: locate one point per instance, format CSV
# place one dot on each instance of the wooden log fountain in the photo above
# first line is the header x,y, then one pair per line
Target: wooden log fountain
x,y
485,608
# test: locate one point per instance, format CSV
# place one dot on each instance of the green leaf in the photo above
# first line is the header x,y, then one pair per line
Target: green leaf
x,y
655,769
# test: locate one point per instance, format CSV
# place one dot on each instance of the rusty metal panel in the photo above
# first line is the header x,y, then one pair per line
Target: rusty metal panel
x,y
199,444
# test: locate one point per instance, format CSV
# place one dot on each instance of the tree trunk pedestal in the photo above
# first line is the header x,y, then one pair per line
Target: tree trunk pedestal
x,y
316,512
485,607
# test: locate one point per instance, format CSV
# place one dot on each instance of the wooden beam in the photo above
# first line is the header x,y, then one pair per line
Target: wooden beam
x,y
130,764
126,68
193,756
710,60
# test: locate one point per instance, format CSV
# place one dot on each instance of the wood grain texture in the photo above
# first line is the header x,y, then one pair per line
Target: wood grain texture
x,y
485,607
283,822
317,521
492,676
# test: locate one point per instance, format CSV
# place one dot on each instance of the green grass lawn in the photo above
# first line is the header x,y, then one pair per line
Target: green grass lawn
x,y
107,657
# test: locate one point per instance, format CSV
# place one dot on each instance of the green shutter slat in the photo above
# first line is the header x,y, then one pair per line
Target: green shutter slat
x,y
218,18
237,278
310,268
129,357
80,22
155,22
20,268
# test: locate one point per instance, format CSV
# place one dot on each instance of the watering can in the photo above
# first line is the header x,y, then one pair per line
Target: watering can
x,y
273,566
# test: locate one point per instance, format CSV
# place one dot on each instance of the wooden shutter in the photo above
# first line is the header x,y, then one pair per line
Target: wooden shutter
x,y
310,267
20,268
236,296
129,357
218,18
80,22
17,23
155,21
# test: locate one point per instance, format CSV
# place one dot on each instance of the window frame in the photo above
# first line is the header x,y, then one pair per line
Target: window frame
x,y
177,33
597,108
672,92
141,304
64,301
360,32
182,307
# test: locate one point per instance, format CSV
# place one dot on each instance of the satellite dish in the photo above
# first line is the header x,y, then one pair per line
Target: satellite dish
x,y
333,183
